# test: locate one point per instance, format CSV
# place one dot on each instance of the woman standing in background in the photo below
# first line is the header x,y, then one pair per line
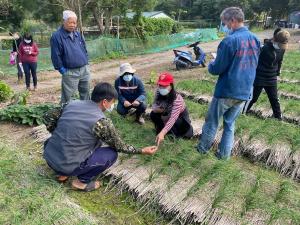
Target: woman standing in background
x,y
29,51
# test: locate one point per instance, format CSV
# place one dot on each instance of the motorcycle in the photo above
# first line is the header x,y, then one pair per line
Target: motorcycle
x,y
184,59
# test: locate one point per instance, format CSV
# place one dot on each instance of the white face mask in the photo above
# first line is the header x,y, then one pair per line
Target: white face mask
x,y
163,91
127,77
275,45
111,108
27,41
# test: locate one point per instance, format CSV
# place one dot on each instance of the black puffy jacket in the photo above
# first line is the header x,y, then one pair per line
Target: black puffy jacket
x,y
269,65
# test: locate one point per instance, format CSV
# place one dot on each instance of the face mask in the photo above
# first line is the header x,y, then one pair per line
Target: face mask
x,y
111,108
163,91
27,41
275,45
127,77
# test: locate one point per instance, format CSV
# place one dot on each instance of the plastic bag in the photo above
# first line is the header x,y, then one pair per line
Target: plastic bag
x,y
12,58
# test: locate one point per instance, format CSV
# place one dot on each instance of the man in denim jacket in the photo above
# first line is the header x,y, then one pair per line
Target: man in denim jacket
x,y
235,64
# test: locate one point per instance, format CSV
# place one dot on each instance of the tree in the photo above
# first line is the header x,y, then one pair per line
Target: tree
x,y
4,7
294,5
12,14
49,11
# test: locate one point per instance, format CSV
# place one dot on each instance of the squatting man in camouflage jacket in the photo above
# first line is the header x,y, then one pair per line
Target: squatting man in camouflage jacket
x,y
84,143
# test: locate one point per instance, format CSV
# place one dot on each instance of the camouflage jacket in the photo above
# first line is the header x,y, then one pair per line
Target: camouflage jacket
x,y
103,129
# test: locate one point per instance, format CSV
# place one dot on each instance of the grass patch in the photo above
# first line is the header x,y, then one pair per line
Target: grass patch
x,y
110,55
196,86
291,67
29,194
116,207
26,197
289,88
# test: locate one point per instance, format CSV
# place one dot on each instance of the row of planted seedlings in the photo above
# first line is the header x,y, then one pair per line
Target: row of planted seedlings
x,y
194,188
273,142
290,106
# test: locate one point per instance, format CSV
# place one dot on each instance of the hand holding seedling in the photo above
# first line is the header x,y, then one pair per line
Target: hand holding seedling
x,y
159,138
149,150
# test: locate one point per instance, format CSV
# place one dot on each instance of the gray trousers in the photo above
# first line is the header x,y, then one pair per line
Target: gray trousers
x,y
75,80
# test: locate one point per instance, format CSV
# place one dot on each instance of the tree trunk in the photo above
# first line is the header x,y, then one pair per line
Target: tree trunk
x,y
99,19
108,20
102,22
79,17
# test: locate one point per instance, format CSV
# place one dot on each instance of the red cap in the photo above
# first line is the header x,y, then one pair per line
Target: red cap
x,y
165,79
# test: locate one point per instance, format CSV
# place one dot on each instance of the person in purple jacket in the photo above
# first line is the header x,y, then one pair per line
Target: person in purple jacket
x,y
235,64
28,54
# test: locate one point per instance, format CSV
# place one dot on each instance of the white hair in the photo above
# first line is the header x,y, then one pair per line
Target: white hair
x,y
68,14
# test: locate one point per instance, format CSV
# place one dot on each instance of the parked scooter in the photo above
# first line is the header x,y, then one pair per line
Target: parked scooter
x,y
184,59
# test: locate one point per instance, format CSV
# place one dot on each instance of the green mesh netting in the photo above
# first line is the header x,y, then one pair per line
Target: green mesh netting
x,y
103,46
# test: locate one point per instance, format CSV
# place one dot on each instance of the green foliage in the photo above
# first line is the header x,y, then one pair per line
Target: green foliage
x,y
155,26
6,44
201,23
144,27
110,55
153,77
256,29
211,9
20,98
177,28
32,26
12,15
5,91
27,115
294,5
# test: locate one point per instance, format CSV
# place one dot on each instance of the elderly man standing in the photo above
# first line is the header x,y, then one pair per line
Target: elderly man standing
x,y
235,64
69,56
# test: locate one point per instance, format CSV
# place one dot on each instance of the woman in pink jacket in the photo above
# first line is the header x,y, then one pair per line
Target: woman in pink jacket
x,y
29,51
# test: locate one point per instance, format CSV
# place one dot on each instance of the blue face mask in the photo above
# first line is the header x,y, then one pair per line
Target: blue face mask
x,y
127,77
163,91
